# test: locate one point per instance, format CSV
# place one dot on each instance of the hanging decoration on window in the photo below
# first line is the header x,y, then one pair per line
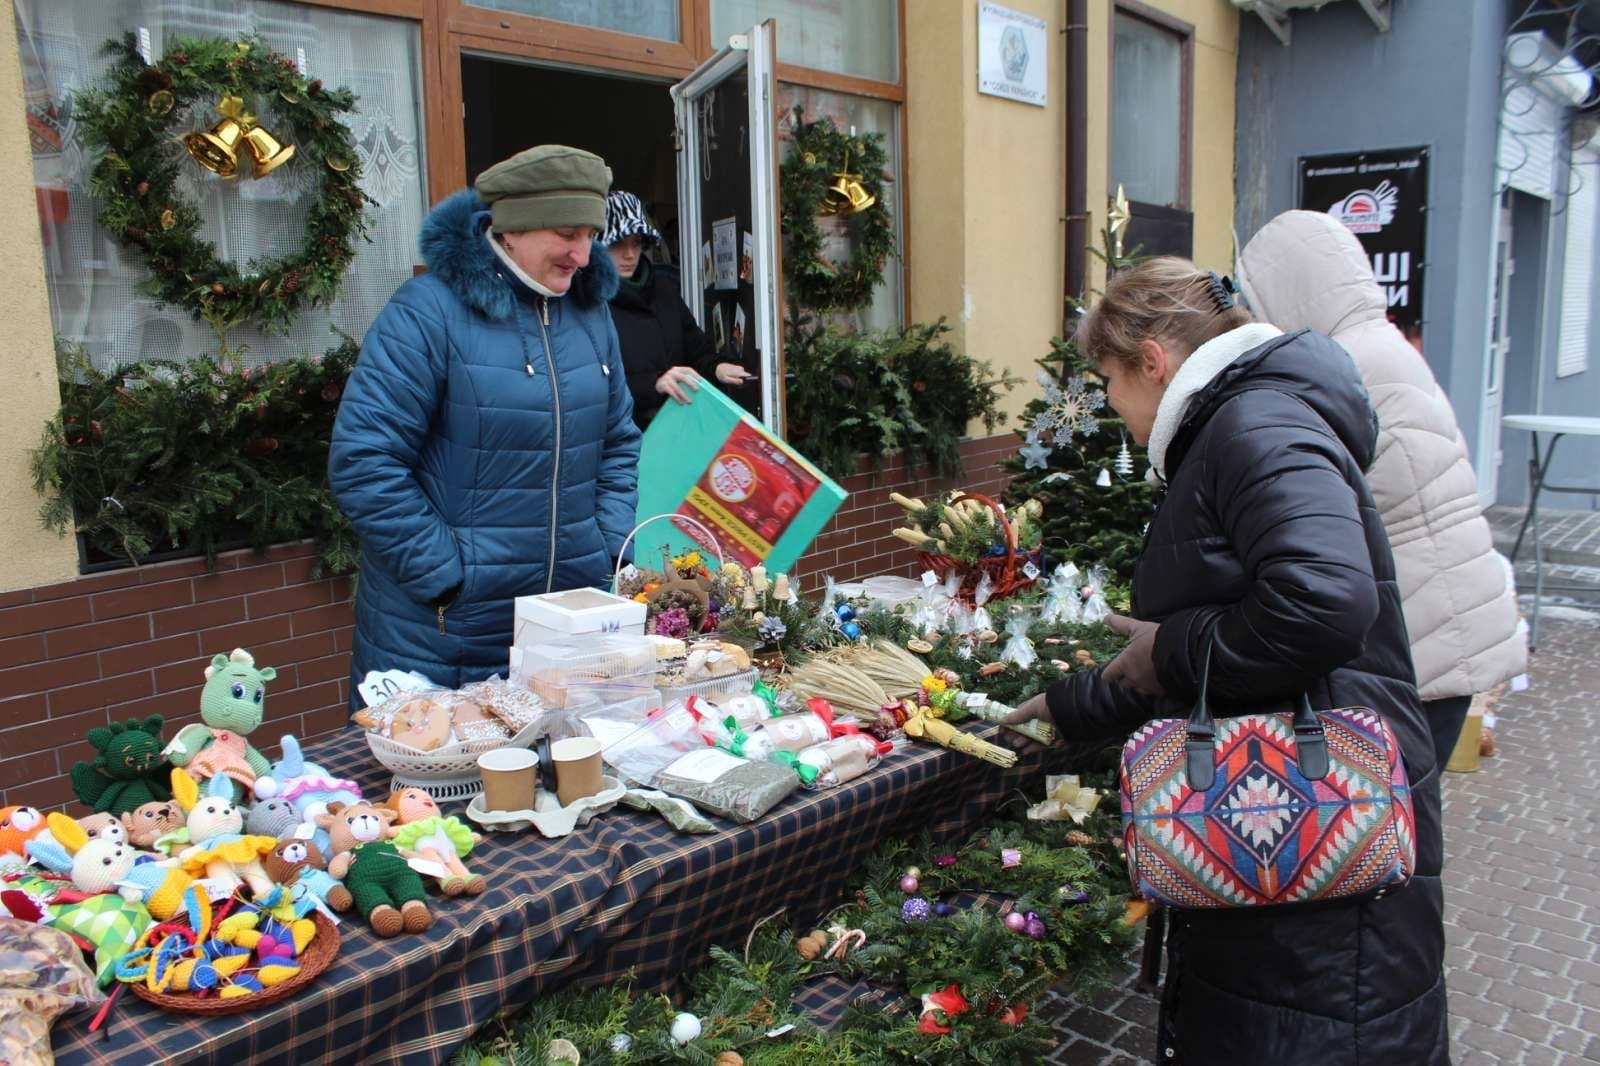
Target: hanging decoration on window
x,y
832,173
134,121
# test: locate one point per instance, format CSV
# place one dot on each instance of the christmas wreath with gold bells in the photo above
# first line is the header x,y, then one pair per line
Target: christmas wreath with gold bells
x,y
132,122
833,173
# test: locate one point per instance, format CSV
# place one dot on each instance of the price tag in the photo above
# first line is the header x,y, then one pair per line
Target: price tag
x,y
144,44
929,578
300,60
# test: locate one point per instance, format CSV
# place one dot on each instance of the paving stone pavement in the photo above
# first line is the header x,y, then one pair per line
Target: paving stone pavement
x,y
1522,887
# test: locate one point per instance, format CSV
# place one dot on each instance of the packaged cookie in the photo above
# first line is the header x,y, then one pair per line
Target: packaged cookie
x,y
513,706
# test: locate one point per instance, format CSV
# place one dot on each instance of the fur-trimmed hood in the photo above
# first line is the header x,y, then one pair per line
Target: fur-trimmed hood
x,y
454,249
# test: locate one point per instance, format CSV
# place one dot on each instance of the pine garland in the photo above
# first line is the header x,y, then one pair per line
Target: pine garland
x,y
1071,877
164,455
129,123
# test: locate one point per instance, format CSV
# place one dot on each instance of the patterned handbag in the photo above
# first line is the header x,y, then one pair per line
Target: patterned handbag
x,y
1265,809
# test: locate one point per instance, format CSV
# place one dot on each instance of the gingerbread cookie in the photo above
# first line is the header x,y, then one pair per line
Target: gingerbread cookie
x,y
421,724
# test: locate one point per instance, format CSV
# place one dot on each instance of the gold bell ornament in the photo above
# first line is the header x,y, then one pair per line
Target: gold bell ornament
x,y
217,149
846,196
267,151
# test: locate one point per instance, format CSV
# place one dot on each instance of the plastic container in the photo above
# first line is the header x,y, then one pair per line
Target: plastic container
x,y
610,667
713,688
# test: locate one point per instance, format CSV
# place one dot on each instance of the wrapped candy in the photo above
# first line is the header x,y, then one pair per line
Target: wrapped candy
x,y
1061,599
1064,799
980,596
843,759
1019,649
1095,607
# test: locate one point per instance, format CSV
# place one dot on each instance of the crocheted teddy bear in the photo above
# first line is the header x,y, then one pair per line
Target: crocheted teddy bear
x,y
149,822
425,834
231,702
297,863
383,886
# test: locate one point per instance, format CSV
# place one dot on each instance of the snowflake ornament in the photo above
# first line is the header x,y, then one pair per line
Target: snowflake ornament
x,y
1069,410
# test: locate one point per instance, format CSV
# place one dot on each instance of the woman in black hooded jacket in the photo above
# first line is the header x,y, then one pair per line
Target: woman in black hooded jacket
x,y
1266,545
663,348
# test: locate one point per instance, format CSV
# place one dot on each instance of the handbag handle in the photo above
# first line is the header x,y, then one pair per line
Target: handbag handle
x,y
1311,746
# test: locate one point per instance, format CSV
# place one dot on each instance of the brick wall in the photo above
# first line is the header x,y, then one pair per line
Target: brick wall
x,y
136,642
857,544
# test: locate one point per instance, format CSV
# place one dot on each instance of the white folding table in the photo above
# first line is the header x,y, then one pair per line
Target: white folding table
x,y
1556,426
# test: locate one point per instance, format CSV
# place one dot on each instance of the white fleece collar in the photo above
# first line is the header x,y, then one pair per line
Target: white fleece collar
x,y
520,274
1196,372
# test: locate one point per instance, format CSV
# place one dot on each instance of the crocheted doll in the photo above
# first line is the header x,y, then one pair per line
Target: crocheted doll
x,y
383,886
216,846
231,702
18,825
128,768
297,863
149,822
424,834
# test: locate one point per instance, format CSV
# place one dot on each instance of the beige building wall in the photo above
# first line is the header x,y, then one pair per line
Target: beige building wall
x,y
987,176
31,556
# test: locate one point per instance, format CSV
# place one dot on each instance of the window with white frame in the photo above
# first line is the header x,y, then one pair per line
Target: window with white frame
x,y
94,283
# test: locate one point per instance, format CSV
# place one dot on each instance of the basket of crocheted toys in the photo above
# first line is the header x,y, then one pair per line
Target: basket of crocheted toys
x,y
228,957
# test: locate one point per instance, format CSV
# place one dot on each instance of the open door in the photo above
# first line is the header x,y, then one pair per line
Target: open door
x,y
1489,431
728,212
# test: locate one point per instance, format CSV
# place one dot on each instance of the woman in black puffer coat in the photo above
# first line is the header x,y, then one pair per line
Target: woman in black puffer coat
x,y
663,347
1266,544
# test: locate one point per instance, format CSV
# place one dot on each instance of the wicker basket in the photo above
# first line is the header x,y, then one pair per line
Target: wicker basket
x,y
318,956
1007,571
449,772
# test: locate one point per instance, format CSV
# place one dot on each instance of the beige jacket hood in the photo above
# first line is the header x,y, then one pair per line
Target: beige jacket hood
x,y
1304,270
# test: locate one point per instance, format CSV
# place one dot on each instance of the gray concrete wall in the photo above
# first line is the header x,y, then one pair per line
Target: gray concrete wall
x,y
1432,80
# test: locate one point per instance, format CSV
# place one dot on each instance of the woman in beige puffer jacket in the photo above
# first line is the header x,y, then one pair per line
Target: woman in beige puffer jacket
x,y
1304,270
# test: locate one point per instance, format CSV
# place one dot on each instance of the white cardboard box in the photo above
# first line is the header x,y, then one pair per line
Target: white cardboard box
x,y
576,612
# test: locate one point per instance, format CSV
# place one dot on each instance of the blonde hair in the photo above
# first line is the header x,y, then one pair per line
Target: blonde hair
x,y
1168,299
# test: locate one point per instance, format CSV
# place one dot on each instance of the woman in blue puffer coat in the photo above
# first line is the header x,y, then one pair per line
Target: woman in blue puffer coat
x,y
485,447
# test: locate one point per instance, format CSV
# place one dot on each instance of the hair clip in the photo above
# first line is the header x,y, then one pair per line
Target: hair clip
x,y
1224,293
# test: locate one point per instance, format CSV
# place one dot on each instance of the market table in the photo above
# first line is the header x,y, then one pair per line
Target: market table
x,y
626,892
1557,426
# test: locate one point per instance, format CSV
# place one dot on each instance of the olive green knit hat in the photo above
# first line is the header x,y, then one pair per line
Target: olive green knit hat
x,y
546,187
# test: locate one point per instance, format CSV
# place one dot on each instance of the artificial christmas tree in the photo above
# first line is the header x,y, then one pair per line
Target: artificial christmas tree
x,y
1078,460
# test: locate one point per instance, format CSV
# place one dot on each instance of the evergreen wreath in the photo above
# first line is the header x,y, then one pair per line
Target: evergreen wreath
x,y
130,122
821,152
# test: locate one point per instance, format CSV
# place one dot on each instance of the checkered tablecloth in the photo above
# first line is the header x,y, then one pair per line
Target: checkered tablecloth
x,y
626,892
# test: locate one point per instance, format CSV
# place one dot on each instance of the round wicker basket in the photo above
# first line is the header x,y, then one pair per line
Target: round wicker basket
x,y
319,955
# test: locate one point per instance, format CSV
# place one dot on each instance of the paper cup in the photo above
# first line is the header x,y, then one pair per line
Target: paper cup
x,y
510,777
577,762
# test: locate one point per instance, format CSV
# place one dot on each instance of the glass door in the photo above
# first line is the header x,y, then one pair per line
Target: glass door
x,y
728,211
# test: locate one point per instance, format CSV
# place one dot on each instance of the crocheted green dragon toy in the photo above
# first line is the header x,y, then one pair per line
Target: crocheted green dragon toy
x,y
230,707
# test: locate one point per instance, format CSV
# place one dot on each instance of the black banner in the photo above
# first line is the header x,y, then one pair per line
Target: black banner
x,y
1382,197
